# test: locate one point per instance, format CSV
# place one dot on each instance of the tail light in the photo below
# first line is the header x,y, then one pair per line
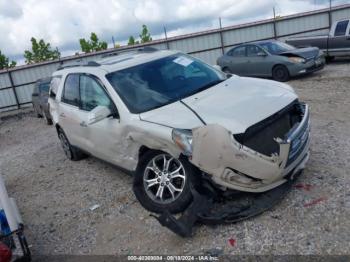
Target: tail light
x,y
5,253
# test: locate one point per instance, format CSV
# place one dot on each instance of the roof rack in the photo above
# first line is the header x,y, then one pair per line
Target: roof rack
x,y
90,63
141,49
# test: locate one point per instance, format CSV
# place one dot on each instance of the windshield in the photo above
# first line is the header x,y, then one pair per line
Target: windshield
x,y
154,84
276,48
45,87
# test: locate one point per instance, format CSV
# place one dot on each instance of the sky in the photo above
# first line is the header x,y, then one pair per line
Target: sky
x,y
63,22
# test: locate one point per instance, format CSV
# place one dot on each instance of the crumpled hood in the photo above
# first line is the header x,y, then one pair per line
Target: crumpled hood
x,y
235,104
307,52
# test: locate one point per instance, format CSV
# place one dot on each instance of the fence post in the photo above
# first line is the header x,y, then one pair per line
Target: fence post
x,y
13,89
330,14
166,38
221,37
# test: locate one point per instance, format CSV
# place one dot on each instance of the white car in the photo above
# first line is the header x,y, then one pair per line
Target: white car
x,y
174,120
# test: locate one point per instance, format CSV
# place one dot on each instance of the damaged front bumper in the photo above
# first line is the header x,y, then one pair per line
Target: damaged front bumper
x,y
209,208
232,165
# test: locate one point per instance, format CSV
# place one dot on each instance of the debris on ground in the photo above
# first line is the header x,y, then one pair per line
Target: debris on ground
x,y
232,242
92,208
314,202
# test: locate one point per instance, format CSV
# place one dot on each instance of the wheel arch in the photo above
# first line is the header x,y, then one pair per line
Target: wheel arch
x,y
279,64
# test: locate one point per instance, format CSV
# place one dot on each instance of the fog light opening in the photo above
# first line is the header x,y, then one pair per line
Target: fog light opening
x,y
234,176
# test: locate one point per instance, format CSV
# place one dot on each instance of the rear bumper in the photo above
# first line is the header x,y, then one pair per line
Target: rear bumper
x,y
234,166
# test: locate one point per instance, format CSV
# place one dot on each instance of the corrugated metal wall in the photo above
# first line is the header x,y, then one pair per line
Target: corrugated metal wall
x,y
16,85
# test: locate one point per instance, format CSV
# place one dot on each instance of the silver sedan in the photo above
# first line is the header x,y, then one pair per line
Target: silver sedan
x,y
271,59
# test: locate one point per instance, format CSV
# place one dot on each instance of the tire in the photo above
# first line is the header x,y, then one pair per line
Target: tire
x,y
329,59
280,73
71,152
153,168
38,115
48,120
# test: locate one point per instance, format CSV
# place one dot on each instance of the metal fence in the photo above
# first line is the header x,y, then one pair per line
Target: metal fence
x,y
16,84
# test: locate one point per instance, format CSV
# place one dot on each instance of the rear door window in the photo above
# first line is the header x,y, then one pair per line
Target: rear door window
x,y
341,28
253,50
239,51
71,90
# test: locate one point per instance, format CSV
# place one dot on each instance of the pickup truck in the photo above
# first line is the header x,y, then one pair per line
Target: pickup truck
x,y
335,44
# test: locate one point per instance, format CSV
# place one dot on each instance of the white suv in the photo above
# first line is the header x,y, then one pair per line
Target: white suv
x,y
174,120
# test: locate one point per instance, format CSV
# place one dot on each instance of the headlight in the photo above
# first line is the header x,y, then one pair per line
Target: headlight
x,y
295,59
183,139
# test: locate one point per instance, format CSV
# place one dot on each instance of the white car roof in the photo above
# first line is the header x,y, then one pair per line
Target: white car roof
x,y
120,61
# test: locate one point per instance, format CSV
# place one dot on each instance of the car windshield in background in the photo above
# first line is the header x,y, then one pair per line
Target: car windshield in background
x,y
276,48
157,83
45,87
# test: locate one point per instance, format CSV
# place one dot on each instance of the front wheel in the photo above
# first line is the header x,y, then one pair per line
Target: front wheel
x,y
162,182
280,73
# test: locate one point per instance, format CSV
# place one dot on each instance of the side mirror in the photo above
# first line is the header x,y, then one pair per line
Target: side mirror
x,y
98,113
262,54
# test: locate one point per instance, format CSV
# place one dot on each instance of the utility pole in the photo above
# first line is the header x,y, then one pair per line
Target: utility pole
x,y
166,38
330,13
274,23
221,37
113,42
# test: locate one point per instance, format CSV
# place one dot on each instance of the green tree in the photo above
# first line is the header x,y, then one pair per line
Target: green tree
x,y
5,62
145,35
93,44
131,40
41,51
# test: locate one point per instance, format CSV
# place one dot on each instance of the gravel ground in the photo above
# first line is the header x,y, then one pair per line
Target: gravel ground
x,y
54,194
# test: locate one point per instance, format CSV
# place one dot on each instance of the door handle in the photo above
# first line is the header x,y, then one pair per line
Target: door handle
x,y
83,124
62,115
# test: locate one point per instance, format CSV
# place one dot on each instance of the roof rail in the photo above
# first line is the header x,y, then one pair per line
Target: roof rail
x,y
90,63
141,49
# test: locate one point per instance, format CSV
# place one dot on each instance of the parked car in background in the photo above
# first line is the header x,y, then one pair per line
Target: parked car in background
x,y
40,98
335,44
172,119
271,59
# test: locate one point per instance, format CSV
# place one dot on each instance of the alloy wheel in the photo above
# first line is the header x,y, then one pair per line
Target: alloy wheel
x,y
164,179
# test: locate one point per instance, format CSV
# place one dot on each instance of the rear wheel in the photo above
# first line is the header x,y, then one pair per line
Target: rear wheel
x,y
47,119
162,182
38,114
280,73
329,59
70,151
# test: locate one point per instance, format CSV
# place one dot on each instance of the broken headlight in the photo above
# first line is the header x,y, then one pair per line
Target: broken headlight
x,y
296,59
183,139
